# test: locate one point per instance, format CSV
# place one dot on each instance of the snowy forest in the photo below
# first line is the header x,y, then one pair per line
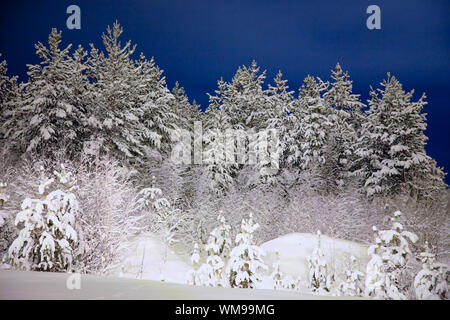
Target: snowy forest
x,y
90,159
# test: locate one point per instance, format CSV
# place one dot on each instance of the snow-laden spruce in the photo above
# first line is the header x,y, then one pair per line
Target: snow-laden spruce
x,y
346,118
389,256
246,264
9,93
277,275
391,147
353,285
432,282
319,272
283,282
48,116
213,272
47,241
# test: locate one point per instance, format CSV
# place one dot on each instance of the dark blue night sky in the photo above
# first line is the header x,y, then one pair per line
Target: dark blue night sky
x,y
197,42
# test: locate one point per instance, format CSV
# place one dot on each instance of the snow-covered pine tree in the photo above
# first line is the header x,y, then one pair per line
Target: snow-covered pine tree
x,y
161,112
223,233
245,260
244,104
47,117
47,241
186,112
177,174
130,102
280,101
346,117
215,272
375,276
353,283
389,258
319,273
195,257
195,260
81,97
219,153
315,123
432,282
392,145
277,275
245,99
9,92
220,239
295,135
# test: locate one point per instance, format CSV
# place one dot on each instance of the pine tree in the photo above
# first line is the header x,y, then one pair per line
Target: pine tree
x,y
280,102
353,284
392,145
346,117
195,260
319,273
245,99
212,272
315,122
9,93
219,153
246,258
47,241
222,237
277,275
241,106
131,115
389,258
431,283
375,275
215,271
47,117
161,112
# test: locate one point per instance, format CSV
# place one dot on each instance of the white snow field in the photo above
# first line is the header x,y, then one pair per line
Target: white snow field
x,y
142,274
294,248
145,258
46,285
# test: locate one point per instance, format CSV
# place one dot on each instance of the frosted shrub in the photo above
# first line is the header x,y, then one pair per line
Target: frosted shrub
x,y
108,217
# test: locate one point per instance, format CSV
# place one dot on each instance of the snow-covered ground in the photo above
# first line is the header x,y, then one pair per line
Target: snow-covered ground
x,y
46,285
142,269
294,248
145,258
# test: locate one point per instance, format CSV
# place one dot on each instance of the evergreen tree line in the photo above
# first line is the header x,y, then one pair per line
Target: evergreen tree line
x,y
89,103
